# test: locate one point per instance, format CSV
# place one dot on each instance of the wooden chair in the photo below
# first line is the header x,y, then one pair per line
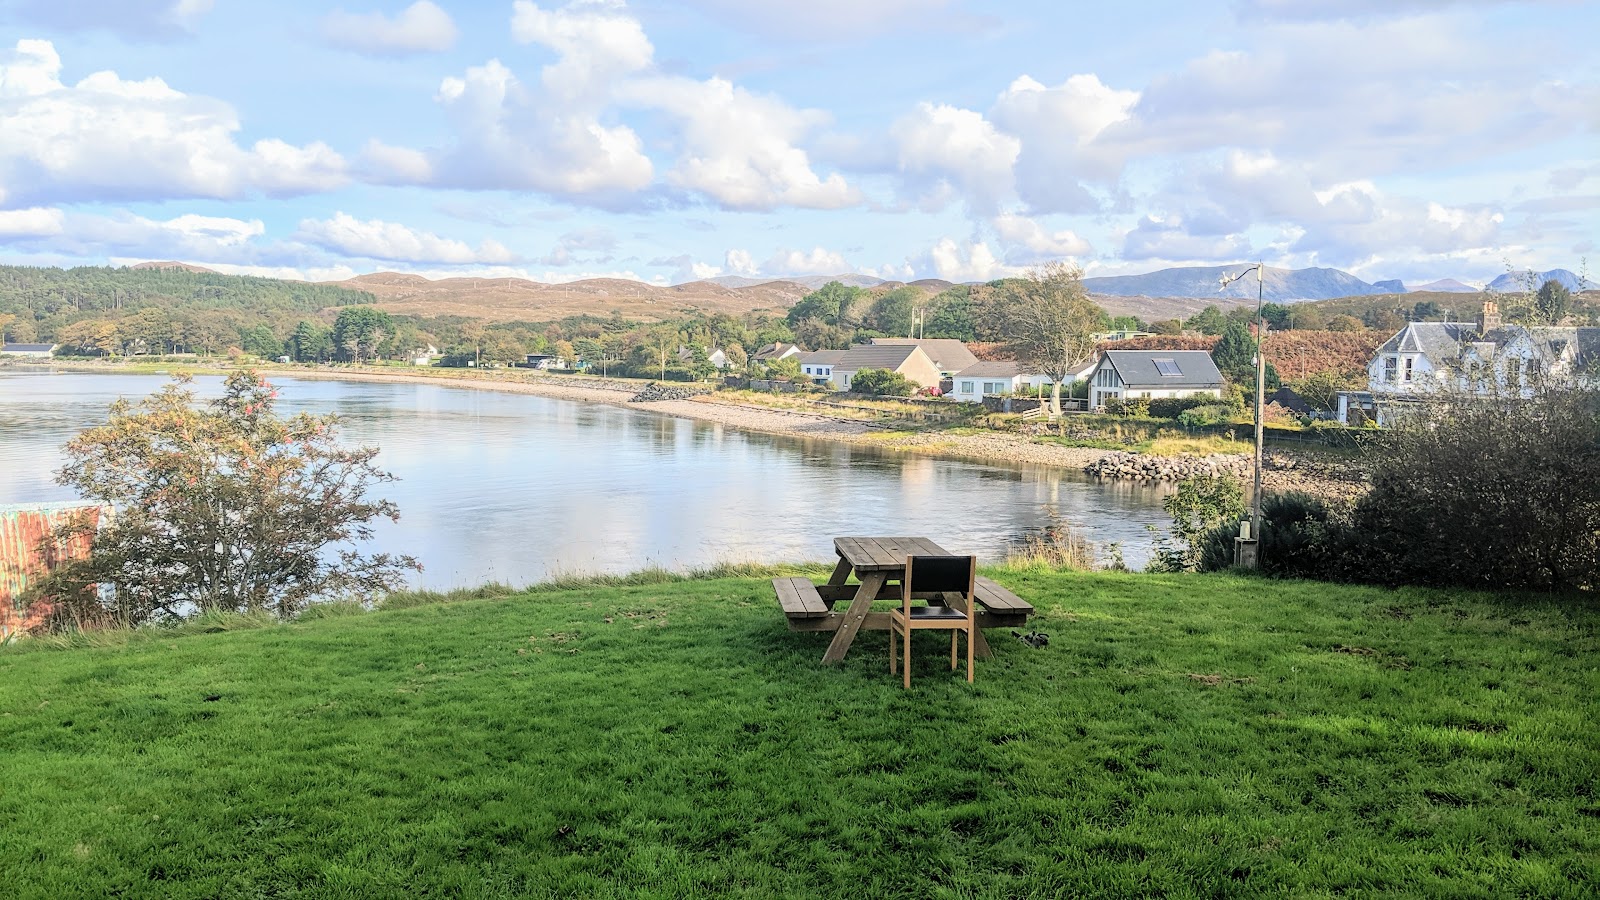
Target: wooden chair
x,y
935,574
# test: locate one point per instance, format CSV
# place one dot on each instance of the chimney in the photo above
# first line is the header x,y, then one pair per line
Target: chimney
x,y
1489,319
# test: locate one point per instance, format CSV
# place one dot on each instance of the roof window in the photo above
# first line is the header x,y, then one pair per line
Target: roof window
x,y
1168,368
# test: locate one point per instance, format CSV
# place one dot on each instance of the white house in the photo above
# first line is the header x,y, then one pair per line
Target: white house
x,y
819,364
1484,358
37,351
544,361
988,379
425,356
715,356
1153,374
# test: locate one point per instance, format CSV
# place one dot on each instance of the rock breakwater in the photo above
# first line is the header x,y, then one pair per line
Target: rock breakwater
x,y
1143,467
658,392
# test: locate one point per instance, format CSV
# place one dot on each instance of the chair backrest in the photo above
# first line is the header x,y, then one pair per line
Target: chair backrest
x,y
941,574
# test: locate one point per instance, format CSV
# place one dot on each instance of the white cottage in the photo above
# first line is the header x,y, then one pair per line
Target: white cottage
x,y
1153,374
819,364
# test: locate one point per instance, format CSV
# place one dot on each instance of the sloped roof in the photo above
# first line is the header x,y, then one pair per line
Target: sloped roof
x,y
773,351
1439,341
822,357
875,356
994,369
949,354
27,348
1137,368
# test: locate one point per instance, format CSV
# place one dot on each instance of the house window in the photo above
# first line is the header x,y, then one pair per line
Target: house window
x,y
1514,373
1409,361
993,387
1535,369
1391,369
1168,368
966,387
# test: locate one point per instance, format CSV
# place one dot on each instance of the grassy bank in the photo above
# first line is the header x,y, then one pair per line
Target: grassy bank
x,y
1185,736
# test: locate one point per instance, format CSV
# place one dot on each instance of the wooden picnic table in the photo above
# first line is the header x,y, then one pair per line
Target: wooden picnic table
x,y
876,561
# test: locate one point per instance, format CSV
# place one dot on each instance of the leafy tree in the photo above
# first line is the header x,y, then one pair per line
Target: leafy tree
x,y
1198,506
1276,314
950,315
1049,320
1346,323
891,312
311,342
259,340
1207,321
1553,302
829,303
1389,320
1167,326
1308,317
359,330
1127,323
1235,356
882,383
91,337
221,507
786,369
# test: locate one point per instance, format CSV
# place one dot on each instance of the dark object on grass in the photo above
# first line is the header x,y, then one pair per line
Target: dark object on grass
x,y
1034,639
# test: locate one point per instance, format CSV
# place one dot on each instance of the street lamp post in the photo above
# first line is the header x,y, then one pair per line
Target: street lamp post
x,y
1261,389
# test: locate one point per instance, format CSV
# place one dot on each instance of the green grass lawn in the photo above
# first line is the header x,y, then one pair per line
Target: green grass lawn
x,y
1180,736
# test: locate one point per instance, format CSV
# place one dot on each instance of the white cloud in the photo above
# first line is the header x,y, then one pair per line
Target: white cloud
x,y
1028,235
290,273
377,239
1057,130
740,148
33,222
969,261
54,142
421,27
941,145
817,261
566,134
740,262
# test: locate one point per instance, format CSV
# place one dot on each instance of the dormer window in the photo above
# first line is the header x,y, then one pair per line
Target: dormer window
x,y
1409,361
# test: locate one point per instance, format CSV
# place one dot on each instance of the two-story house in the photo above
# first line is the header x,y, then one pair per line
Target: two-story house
x,y
1152,374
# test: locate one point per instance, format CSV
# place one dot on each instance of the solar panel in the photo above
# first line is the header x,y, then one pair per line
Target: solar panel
x,y
1168,367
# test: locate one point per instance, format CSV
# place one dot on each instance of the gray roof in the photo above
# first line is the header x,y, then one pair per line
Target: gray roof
x,y
1439,341
949,354
822,357
991,369
28,348
1137,368
774,350
874,356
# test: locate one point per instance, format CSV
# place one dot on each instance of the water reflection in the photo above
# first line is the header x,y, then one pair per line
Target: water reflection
x,y
517,488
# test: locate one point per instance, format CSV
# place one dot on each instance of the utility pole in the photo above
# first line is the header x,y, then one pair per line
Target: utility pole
x,y
1247,547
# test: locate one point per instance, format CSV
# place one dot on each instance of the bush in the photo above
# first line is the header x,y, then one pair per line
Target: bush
x,y
882,383
1206,416
1172,407
1488,493
1300,538
1118,406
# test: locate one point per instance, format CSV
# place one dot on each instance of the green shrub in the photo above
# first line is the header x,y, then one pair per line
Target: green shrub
x,y
1172,407
1137,407
1301,537
882,383
1206,416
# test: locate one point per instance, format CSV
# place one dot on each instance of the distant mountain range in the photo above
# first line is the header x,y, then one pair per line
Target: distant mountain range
x,y
1517,281
1282,285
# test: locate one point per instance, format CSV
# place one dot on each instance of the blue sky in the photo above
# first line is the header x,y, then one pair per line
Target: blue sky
x,y
666,141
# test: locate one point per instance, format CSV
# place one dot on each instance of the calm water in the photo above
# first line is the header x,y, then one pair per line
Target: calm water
x,y
515,488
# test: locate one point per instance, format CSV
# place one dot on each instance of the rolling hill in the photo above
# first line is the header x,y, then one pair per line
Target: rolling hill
x,y
1202,282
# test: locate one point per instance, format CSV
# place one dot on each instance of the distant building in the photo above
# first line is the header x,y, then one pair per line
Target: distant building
x,y
425,356
776,351
906,359
819,364
544,361
715,356
37,351
1119,335
1486,358
987,379
1152,374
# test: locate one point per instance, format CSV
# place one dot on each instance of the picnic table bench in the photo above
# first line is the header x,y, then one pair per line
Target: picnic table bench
x,y
877,561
